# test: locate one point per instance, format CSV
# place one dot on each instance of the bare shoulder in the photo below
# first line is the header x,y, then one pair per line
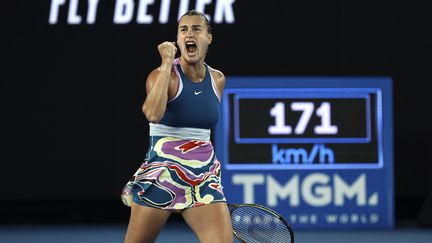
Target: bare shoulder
x,y
217,74
219,79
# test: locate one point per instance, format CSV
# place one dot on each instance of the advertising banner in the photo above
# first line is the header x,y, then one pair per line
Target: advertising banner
x,y
316,150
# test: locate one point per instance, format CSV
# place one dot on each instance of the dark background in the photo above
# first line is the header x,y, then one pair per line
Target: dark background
x,y
72,130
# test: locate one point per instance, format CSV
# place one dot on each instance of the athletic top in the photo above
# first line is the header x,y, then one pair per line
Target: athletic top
x,y
195,105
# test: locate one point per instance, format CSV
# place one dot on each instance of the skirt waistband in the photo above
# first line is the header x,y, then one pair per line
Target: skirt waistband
x,y
187,133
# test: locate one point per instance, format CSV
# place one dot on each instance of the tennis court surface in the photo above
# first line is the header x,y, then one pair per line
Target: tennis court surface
x,y
180,233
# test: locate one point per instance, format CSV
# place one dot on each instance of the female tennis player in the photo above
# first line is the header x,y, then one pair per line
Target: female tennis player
x,y
181,173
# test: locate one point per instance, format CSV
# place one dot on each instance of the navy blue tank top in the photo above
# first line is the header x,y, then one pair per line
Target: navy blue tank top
x,y
195,104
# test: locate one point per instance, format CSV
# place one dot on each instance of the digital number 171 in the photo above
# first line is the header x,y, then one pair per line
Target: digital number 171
x,y
307,109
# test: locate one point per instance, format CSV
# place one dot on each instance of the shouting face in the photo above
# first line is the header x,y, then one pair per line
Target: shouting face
x,y
193,38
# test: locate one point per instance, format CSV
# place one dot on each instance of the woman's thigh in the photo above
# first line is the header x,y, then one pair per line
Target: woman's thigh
x,y
145,223
211,222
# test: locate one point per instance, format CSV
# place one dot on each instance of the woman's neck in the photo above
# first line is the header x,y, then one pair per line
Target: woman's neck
x,y
195,72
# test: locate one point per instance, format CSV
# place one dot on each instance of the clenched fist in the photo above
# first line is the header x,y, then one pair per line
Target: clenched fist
x,y
167,51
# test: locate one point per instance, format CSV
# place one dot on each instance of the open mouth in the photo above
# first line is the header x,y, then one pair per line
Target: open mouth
x,y
191,47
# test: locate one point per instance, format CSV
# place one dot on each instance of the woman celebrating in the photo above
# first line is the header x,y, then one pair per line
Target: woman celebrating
x,y
181,173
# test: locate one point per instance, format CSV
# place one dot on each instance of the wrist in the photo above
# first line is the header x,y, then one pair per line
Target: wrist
x,y
167,62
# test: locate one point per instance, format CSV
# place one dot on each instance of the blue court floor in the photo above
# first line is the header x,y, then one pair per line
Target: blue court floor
x,y
179,233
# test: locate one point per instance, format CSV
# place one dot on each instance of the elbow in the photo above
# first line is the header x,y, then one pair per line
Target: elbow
x,y
150,115
153,119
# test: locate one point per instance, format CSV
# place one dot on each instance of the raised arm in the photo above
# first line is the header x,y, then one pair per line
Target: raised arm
x,y
158,84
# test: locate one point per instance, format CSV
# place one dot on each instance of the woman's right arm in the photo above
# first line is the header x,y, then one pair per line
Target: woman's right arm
x,y
157,84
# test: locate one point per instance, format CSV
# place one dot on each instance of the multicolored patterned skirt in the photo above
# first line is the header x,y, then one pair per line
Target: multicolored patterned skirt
x,y
176,174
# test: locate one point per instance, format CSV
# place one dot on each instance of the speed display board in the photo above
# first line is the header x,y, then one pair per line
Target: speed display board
x,y
318,150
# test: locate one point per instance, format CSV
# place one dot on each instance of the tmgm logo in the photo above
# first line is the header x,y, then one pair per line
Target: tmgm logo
x,y
316,189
